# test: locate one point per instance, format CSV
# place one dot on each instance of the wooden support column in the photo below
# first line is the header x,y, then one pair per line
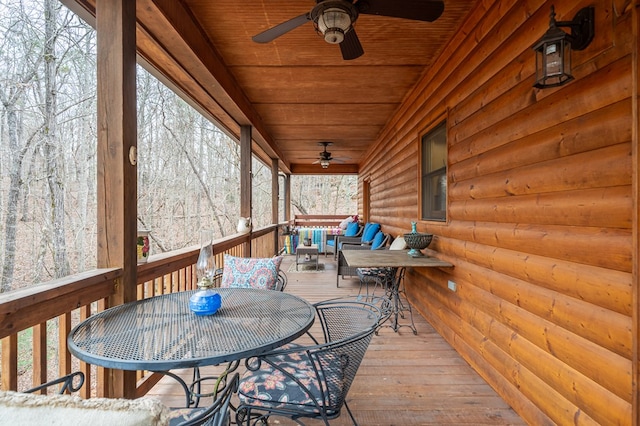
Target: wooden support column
x,y
275,203
287,198
635,140
116,157
246,174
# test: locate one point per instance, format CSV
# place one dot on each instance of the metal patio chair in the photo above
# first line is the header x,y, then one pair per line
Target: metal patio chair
x,y
311,381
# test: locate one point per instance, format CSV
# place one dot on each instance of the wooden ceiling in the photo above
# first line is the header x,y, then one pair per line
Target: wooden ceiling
x,y
297,90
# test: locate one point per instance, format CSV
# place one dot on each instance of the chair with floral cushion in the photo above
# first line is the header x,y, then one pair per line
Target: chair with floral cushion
x,y
310,381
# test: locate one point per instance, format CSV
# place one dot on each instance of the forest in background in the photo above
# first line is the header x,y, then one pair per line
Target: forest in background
x,y
188,169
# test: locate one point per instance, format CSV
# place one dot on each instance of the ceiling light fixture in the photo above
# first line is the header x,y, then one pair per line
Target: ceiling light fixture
x,y
553,50
324,163
334,19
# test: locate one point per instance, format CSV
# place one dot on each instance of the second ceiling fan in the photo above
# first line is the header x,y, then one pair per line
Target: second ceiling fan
x,y
334,19
325,157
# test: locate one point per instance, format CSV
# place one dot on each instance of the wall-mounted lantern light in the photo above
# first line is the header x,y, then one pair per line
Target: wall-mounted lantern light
x,y
553,50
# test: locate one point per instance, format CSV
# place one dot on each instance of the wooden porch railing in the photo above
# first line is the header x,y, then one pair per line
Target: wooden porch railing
x,y
39,318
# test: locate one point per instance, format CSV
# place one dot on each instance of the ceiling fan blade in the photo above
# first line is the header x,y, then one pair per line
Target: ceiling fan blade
x,y
280,29
417,10
350,46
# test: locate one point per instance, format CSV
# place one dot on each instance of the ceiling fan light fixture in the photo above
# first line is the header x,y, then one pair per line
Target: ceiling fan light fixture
x,y
333,23
324,163
333,19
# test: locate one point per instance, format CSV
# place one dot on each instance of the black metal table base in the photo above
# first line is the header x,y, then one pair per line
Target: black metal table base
x,y
394,291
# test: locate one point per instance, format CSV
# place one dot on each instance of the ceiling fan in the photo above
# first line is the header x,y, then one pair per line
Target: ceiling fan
x,y
325,156
334,20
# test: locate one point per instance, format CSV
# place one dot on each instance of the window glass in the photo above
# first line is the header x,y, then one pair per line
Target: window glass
x,y
434,174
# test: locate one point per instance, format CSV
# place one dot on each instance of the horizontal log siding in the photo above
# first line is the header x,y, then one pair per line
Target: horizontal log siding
x,y
540,210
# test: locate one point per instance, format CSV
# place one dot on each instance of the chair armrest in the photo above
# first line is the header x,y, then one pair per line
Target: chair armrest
x,y
66,381
282,281
340,239
356,247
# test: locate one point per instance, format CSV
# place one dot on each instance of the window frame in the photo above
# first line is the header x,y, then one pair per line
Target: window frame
x,y
428,205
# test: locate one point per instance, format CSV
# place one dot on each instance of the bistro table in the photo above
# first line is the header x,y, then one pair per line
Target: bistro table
x,y
400,260
161,333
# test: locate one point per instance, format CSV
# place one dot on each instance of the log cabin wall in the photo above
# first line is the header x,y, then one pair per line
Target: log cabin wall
x,y
540,209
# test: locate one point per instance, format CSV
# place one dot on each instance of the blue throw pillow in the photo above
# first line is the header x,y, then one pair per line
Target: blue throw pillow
x,y
370,232
377,240
352,229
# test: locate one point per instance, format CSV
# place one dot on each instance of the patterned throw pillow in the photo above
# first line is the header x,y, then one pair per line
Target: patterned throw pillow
x,y
250,272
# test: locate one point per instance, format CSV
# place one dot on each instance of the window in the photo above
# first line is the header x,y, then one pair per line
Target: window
x,y
434,174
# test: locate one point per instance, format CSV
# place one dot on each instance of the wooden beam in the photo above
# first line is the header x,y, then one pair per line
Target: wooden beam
x,y
116,157
315,169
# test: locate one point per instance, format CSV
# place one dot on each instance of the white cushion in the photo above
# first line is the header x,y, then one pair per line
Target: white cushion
x,y
398,243
23,409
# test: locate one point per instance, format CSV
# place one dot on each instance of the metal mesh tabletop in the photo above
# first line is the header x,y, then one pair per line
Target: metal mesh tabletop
x,y
161,333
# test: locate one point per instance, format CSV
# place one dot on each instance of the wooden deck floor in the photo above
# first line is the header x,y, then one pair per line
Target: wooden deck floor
x,y
405,379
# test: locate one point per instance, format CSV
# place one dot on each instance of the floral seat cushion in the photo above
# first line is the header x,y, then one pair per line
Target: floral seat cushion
x,y
270,387
250,272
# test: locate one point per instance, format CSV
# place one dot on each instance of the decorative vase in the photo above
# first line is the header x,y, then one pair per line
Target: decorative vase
x,y
417,241
205,301
142,246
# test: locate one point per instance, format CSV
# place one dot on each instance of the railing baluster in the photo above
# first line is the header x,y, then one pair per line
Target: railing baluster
x,y
39,355
64,356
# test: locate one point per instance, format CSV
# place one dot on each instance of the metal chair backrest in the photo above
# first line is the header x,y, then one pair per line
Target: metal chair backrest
x,y
344,318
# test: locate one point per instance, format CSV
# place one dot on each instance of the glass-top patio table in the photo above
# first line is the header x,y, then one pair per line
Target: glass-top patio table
x,y
161,333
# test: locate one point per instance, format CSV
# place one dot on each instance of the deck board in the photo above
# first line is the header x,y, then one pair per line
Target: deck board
x,y
403,380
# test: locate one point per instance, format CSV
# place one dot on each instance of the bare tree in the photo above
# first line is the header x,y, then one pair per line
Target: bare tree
x,y
56,196
20,69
